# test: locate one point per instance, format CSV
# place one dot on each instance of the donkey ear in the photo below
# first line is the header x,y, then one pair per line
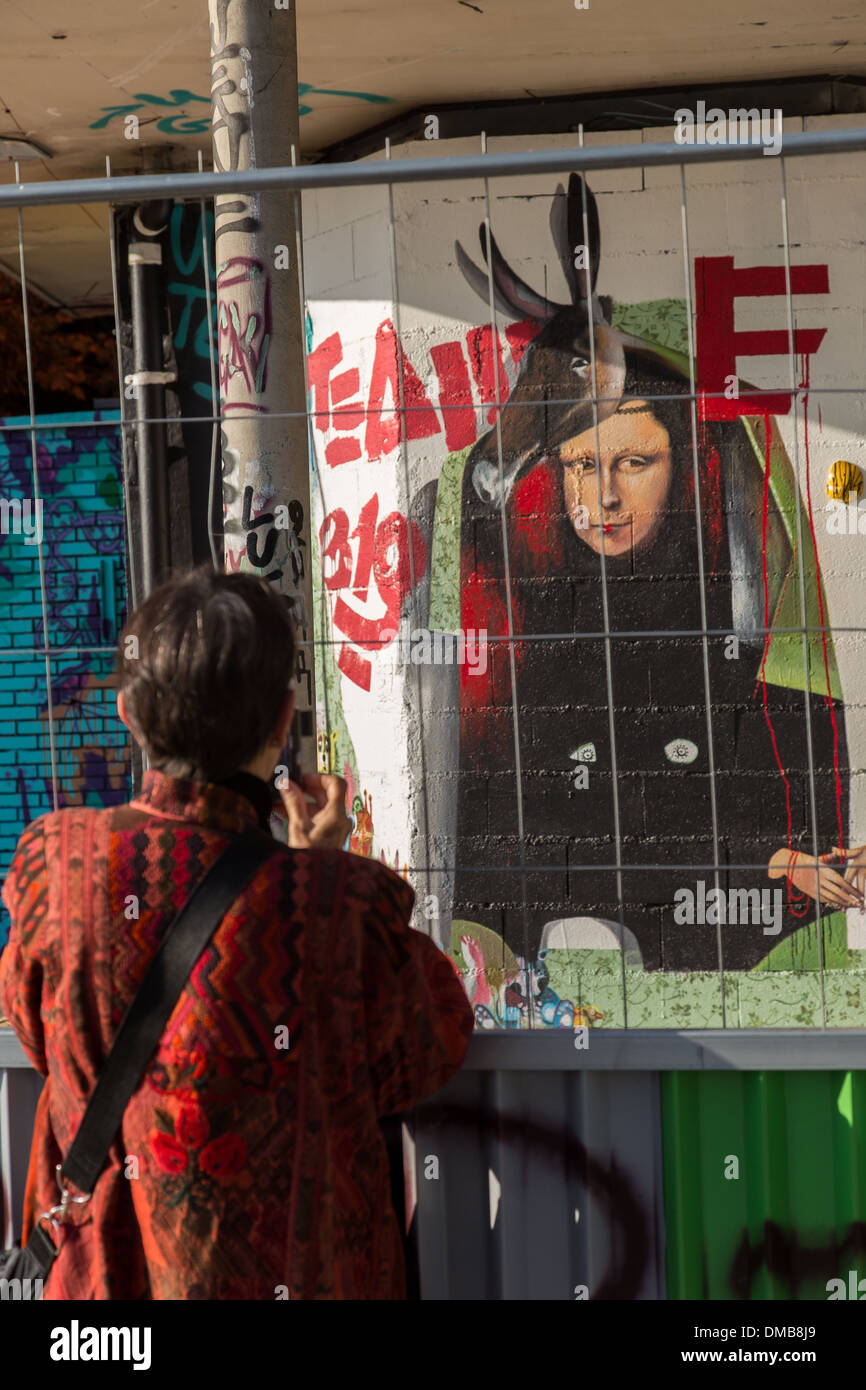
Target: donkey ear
x,y
576,237
564,248
606,305
478,280
524,301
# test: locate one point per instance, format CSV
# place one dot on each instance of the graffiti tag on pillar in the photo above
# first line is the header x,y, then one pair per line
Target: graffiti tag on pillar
x,y
296,540
260,549
291,519
244,337
231,125
303,674
259,558
231,464
381,554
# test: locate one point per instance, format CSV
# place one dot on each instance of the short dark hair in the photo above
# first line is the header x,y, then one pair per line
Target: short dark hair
x,y
212,658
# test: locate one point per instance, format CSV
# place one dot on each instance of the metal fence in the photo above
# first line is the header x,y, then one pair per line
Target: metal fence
x,y
484,166
557,1179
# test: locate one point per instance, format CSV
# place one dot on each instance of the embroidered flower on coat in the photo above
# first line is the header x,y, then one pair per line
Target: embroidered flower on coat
x,y
223,1157
193,1160
193,1127
171,1156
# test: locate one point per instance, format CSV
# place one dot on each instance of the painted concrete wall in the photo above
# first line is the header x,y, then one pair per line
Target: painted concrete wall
x,y
428,750
82,554
407,543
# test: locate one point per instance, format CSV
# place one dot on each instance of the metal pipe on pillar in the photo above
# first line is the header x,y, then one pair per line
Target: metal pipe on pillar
x,y
261,340
148,379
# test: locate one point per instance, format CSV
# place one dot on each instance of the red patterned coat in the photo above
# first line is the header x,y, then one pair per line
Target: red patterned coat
x,y
250,1163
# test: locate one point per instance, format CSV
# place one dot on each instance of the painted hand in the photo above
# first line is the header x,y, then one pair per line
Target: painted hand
x,y
814,877
316,811
853,866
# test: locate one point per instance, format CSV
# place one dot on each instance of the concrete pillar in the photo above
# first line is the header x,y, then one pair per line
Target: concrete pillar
x,y
265,469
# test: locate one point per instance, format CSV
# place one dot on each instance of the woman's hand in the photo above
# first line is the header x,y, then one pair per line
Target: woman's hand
x,y
815,877
316,811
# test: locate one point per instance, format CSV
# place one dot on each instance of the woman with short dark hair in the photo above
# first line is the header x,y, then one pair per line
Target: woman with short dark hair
x,y
249,1162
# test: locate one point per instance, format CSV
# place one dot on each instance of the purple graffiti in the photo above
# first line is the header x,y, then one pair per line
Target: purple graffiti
x,y
244,338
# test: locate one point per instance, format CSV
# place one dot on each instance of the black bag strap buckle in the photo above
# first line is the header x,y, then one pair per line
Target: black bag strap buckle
x,y
145,1019
57,1215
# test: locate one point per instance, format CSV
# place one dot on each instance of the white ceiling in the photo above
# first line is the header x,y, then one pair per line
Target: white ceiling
x,y
63,67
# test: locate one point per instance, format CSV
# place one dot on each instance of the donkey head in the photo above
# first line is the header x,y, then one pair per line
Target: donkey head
x,y
552,397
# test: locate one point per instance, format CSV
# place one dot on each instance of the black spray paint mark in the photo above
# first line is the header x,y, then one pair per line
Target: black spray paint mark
x,y
783,1255
605,1182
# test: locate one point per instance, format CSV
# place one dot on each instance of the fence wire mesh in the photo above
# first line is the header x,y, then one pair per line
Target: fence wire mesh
x,y
72,747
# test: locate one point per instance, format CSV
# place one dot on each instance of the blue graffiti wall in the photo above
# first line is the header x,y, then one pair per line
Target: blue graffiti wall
x,y
60,739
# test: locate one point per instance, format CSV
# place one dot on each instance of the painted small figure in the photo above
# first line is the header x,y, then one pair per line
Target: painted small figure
x,y
843,480
361,841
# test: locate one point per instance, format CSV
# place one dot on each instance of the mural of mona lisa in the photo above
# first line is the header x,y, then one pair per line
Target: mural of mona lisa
x,y
636,502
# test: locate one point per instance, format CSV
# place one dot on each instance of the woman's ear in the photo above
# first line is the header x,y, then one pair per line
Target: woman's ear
x,y
124,717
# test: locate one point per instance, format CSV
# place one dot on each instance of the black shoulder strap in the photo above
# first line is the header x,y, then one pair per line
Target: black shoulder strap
x,y
146,1018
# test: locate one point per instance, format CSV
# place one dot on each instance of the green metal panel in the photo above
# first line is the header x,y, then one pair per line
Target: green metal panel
x,y
764,1183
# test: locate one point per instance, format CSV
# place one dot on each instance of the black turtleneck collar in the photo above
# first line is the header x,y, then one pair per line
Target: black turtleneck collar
x,y
257,792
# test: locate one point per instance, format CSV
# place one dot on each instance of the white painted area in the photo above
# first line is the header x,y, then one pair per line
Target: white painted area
x,y
495,1191
590,934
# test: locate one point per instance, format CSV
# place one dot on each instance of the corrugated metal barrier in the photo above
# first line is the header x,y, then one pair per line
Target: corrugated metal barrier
x,y
541,1185
764,1183
545,1182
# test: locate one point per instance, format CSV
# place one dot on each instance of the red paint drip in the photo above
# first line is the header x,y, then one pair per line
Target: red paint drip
x,y
482,609
710,483
838,781
804,384
800,898
713,502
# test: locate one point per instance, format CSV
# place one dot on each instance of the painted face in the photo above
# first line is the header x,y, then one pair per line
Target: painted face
x,y
636,473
